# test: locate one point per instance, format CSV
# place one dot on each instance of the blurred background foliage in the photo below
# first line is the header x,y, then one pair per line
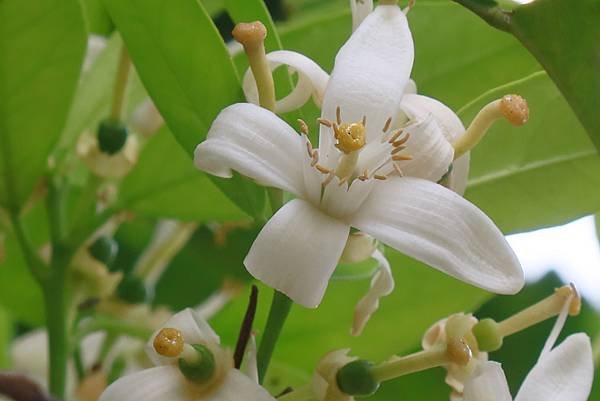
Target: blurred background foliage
x,y
544,174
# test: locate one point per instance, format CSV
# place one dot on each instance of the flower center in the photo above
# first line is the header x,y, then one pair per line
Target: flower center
x,y
350,137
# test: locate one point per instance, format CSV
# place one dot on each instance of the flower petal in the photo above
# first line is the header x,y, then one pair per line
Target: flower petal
x,y
312,80
154,384
431,153
297,251
193,328
342,201
434,225
256,143
564,374
382,284
487,383
360,10
418,106
236,384
370,72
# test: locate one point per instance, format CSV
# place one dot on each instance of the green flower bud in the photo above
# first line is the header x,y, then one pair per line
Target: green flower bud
x,y
200,367
105,250
132,290
487,335
355,378
112,136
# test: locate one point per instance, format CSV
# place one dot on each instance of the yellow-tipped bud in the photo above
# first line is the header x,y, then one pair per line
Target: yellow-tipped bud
x,y
169,342
515,109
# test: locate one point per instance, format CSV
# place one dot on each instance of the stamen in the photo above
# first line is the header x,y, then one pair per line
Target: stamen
x,y
380,177
323,170
252,37
344,180
401,157
398,169
364,176
309,148
168,342
395,136
410,363
398,149
303,126
511,107
338,115
324,122
388,122
364,121
328,179
401,141
315,158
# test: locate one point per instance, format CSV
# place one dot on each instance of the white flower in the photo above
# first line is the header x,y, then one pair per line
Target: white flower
x,y
166,381
353,178
565,373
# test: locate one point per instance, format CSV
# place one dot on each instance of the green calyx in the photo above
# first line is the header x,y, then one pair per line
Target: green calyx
x,y
487,334
355,378
112,136
105,250
198,367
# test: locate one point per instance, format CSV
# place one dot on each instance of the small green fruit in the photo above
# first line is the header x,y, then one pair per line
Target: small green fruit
x,y
112,136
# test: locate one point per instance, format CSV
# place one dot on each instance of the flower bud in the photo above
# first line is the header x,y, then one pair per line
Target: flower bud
x,y
132,290
355,378
112,136
105,250
487,335
197,365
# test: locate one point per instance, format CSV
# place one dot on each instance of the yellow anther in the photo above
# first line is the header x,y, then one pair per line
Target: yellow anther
x,y
515,109
350,137
169,342
303,126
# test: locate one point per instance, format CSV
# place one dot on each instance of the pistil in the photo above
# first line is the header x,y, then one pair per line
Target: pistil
x,y
252,36
511,107
411,363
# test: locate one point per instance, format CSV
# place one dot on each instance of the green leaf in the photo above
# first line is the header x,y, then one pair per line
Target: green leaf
x,y
165,183
557,34
255,10
5,336
181,60
541,174
41,49
98,20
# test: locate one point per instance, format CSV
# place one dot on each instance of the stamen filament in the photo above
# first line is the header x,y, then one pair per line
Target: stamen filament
x,y
347,164
511,107
252,36
410,363
120,89
545,309
303,126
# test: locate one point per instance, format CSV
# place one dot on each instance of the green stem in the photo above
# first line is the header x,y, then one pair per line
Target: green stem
x,y
120,90
280,309
55,302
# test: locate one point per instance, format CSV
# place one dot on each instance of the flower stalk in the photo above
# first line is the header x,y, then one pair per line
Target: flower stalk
x,y
416,362
120,89
545,309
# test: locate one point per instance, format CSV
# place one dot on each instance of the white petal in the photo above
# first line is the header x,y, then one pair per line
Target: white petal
x,y
156,384
370,73
193,328
488,383
256,143
416,107
341,201
360,10
312,80
410,88
146,119
564,374
382,284
297,251
238,386
435,225
250,367
432,153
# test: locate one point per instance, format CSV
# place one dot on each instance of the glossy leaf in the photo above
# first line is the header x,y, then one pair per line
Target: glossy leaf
x,y
41,50
165,183
541,174
563,35
98,20
181,60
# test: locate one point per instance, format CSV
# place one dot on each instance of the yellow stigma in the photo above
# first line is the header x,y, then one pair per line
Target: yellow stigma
x,y
169,342
350,137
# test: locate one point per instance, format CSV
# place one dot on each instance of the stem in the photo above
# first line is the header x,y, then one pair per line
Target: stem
x,y
409,364
120,90
280,309
536,313
55,302
246,328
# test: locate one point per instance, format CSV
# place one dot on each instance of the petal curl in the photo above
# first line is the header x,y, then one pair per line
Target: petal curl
x,y
435,225
312,80
297,251
488,383
256,143
193,328
564,374
371,70
382,284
